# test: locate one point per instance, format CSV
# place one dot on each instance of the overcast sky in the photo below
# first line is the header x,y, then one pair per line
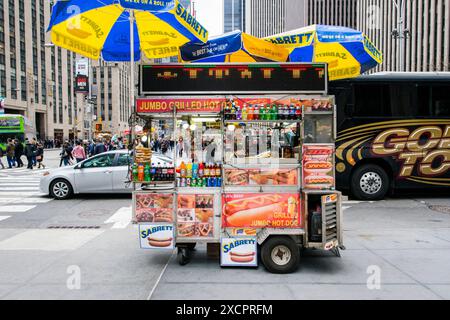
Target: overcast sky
x,y
210,15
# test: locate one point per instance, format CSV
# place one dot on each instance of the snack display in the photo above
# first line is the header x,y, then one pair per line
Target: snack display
x,y
318,167
195,216
274,210
143,155
152,207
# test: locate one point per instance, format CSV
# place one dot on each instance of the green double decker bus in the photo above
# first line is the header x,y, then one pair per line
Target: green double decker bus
x,y
15,127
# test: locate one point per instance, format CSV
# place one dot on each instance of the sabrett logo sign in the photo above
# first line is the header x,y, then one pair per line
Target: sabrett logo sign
x,y
155,229
228,247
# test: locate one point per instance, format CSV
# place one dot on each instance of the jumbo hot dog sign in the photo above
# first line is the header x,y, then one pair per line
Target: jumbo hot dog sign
x,y
154,236
273,210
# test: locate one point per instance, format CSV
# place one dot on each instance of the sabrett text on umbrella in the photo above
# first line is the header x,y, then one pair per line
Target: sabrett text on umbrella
x,y
75,45
190,20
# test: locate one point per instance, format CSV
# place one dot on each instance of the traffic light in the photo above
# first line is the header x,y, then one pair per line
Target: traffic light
x,y
98,127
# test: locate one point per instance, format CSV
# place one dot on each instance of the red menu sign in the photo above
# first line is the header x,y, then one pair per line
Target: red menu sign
x,y
184,105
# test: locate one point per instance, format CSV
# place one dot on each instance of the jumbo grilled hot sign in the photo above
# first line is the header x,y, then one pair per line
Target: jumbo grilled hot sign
x,y
181,105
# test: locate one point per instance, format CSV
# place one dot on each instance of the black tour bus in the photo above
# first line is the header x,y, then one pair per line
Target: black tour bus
x,y
393,134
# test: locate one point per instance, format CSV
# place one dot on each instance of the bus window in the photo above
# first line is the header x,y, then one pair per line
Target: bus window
x,y
399,100
440,101
368,100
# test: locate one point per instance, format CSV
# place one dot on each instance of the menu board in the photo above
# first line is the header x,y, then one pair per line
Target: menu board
x,y
261,177
154,207
156,236
195,216
238,252
317,164
261,210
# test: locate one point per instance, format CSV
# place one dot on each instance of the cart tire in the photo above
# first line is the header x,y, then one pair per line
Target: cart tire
x,y
183,256
280,254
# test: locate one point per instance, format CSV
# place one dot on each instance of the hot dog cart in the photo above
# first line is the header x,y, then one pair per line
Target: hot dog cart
x,y
237,156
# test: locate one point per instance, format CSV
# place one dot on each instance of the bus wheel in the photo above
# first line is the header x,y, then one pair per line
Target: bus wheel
x,y
369,182
280,254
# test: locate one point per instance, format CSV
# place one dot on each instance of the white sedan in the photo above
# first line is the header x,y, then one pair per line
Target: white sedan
x,y
103,173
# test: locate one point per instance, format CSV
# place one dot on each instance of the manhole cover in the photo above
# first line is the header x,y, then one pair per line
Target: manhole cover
x,y
441,209
94,213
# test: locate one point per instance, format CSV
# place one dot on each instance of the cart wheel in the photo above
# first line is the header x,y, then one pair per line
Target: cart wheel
x,y
183,256
280,254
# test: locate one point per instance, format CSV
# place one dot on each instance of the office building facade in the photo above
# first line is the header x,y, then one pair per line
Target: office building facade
x,y
426,33
234,15
37,79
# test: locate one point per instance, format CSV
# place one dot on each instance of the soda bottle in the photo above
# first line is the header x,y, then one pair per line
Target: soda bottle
x,y
273,112
292,112
218,170
219,182
164,172
134,172
147,173
233,111
189,170
244,112
201,170
195,170
141,172
170,173
262,113
256,113
207,171
183,169
204,182
298,112
250,113
238,113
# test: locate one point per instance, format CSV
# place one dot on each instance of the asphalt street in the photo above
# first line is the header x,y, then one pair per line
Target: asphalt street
x,y
87,248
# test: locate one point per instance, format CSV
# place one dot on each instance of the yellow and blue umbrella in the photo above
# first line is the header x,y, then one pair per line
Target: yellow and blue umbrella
x,y
103,28
348,52
235,46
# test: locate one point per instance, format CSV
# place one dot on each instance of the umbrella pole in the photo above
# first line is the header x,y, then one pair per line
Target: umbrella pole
x,y
133,132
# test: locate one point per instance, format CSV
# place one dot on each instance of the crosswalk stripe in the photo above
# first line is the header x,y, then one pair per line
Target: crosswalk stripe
x,y
16,209
22,193
24,200
30,188
15,181
4,217
121,218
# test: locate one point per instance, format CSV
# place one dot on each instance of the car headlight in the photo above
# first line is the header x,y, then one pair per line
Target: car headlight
x,y
46,174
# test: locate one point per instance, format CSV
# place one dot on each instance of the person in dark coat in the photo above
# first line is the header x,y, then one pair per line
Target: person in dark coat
x,y
18,153
30,152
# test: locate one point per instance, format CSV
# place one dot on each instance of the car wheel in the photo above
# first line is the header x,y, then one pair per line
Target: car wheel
x,y
369,182
61,189
280,255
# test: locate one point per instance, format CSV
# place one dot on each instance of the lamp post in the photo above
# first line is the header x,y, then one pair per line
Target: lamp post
x,y
400,33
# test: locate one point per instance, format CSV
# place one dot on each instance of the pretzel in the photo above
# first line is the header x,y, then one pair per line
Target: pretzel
x,y
204,229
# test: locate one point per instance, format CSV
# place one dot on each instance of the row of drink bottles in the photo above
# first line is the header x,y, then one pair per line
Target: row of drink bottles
x,y
262,112
199,175
148,173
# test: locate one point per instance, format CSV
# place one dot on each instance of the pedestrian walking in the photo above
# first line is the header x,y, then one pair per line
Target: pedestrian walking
x,y
10,152
40,156
65,155
1,156
18,153
99,147
33,158
78,152
30,152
